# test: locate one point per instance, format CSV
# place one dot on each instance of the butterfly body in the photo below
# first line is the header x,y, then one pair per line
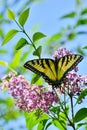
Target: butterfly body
x,y
53,71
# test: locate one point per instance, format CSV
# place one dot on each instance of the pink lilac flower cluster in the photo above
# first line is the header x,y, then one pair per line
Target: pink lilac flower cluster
x,y
73,82
29,97
62,51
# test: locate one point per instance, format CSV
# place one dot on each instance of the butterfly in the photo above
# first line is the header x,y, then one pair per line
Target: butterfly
x,y
54,71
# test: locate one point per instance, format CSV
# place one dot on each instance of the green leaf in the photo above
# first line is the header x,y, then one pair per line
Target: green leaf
x,y
31,120
37,36
16,60
34,28
70,15
21,43
24,56
82,95
12,114
9,36
78,3
35,78
71,36
62,119
3,63
79,49
55,37
81,124
11,14
1,33
23,17
3,52
85,47
84,11
82,22
40,126
37,52
43,119
80,115
58,124
55,109
48,124
10,102
82,32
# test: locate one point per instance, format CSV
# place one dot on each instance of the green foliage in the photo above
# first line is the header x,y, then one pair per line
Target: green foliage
x,y
80,115
80,50
35,78
82,22
36,120
82,95
61,119
24,56
12,114
82,32
3,63
23,17
71,36
81,124
3,51
9,36
43,121
84,11
37,52
9,111
37,36
70,15
21,43
31,120
55,37
55,110
11,14
59,124
85,47
16,60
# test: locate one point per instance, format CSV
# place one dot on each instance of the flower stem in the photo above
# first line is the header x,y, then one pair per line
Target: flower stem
x,y
72,111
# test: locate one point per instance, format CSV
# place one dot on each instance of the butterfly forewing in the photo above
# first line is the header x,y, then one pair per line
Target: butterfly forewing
x,y
66,64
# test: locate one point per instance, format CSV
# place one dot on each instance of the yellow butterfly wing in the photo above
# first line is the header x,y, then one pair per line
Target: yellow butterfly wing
x,y
43,67
66,64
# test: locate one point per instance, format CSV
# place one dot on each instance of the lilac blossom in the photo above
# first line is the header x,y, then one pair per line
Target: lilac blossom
x,y
29,97
74,83
61,52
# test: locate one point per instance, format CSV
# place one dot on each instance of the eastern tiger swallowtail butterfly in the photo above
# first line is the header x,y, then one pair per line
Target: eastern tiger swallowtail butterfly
x,y
54,71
